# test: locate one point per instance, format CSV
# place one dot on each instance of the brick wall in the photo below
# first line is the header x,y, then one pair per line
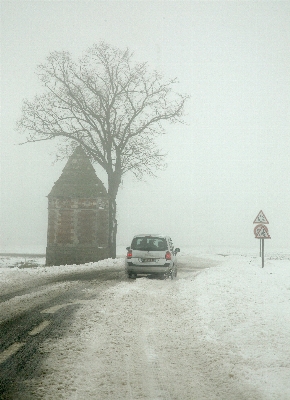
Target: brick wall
x,y
78,230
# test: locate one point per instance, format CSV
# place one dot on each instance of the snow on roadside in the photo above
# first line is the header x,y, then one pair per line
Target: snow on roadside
x,y
17,278
222,334
21,261
246,309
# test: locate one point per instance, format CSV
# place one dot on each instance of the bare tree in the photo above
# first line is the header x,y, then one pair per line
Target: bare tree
x,y
110,106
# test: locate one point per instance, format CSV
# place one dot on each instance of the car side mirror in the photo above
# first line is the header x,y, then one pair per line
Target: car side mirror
x,y
177,250
127,248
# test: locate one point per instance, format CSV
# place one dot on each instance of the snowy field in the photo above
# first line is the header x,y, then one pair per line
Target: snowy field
x,y
221,332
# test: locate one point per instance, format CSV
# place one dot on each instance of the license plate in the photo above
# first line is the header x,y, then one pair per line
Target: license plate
x,y
144,260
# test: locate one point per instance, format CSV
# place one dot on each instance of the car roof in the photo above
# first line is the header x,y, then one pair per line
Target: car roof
x,y
151,235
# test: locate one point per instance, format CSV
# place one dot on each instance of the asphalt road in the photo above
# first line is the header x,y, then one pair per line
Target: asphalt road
x,y
43,310
48,316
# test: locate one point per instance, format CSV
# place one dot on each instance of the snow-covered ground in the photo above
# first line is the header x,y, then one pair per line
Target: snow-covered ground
x,y
222,332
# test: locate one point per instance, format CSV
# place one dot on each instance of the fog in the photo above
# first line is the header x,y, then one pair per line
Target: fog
x,y
229,161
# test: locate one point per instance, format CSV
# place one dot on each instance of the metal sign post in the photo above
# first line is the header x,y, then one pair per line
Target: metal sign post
x,y
261,232
262,252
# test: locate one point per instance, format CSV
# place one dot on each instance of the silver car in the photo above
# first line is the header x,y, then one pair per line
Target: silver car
x,y
151,255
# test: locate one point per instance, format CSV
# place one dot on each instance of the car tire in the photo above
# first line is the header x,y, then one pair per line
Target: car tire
x,y
132,276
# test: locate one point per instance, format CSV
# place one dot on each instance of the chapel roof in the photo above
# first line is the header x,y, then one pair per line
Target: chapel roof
x,y
78,179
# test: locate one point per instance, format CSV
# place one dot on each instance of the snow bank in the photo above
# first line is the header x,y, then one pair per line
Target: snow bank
x,y
245,310
17,277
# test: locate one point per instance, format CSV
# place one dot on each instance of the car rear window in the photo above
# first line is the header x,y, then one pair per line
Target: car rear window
x,y
149,243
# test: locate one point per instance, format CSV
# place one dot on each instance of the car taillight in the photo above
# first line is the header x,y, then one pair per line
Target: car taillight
x,y
168,255
129,254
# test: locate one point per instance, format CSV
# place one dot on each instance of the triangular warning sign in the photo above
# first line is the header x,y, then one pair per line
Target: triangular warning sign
x,y
261,218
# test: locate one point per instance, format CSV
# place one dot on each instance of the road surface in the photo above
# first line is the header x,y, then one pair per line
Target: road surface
x,y
39,312
100,335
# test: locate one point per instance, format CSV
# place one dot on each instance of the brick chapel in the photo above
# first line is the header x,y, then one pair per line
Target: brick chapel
x,y
78,215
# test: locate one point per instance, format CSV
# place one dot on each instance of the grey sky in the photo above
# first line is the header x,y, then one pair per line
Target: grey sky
x,y
231,159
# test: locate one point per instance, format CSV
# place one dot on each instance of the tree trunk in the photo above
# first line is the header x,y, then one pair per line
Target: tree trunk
x,y
112,227
114,180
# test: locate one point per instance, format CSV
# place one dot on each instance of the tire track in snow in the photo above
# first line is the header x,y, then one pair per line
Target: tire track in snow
x,y
158,385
